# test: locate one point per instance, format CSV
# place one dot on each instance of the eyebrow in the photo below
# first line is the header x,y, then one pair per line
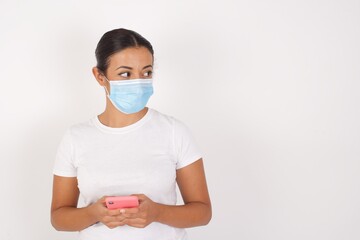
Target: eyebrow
x,y
132,68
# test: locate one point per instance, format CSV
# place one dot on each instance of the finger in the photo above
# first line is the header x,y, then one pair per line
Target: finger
x,y
102,200
131,215
129,210
112,225
114,212
136,222
108,219
114,219
120,218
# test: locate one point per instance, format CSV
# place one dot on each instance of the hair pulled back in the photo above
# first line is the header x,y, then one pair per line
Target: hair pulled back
x,y
115,41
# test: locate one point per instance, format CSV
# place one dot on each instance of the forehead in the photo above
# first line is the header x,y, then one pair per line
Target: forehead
x,y
132,57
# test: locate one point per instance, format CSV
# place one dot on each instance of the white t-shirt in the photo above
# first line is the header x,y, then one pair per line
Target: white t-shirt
x,y
139,158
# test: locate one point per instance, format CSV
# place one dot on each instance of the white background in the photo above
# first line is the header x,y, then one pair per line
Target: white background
x,y
270,90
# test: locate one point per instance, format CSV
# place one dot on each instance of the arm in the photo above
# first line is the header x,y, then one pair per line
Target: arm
x,y
197,208
65,216
195,212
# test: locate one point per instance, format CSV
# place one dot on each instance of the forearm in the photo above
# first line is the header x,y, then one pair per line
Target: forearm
x,y
184,216
72,219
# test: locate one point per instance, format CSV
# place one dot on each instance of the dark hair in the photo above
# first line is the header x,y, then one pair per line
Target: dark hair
x,y
115,41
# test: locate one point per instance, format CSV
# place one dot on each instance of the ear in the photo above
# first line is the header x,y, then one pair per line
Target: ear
x,y
99,76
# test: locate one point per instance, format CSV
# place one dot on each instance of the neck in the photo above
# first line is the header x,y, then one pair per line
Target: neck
x,y
112,117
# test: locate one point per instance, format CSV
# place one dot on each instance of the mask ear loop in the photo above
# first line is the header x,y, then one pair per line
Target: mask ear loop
x,y
108,94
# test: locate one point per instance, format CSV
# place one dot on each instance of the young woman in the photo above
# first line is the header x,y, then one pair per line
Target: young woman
x,y
128,149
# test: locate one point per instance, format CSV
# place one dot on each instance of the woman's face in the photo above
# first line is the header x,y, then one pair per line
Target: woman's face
x,y
131,63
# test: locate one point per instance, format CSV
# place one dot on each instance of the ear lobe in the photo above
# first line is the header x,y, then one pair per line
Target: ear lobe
x,y
98,76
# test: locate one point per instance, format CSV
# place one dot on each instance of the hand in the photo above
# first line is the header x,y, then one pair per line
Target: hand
x,y
111,218
147,213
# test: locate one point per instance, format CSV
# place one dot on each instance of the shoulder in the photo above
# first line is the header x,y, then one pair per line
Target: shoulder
x,y
166,119
81,128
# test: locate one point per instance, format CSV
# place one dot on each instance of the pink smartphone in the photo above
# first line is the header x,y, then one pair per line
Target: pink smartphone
x,y
121,202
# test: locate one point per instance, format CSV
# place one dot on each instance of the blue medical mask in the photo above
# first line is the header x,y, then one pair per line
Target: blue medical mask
x,y
130,96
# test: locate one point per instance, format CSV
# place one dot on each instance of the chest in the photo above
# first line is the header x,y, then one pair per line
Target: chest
x,y
126,165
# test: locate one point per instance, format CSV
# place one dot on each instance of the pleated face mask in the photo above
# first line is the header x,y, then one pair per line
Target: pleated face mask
x,y
130,96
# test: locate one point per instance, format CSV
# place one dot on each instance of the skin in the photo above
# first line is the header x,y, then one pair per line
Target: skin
x,y
196,211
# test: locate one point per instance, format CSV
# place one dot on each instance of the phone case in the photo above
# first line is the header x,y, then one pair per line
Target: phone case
x,y
121,202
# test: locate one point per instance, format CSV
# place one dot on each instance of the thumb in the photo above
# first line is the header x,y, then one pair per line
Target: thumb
x,y
102,200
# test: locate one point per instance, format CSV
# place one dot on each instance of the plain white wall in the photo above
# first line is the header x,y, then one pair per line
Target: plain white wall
x,y
269,89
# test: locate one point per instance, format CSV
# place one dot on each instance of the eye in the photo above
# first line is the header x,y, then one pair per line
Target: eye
x,y
148,74
124,74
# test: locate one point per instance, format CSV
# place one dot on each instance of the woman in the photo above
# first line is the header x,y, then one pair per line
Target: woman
x,y
128,149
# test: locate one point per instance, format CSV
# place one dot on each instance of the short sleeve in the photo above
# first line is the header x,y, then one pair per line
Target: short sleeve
x,y
186,150
64,160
